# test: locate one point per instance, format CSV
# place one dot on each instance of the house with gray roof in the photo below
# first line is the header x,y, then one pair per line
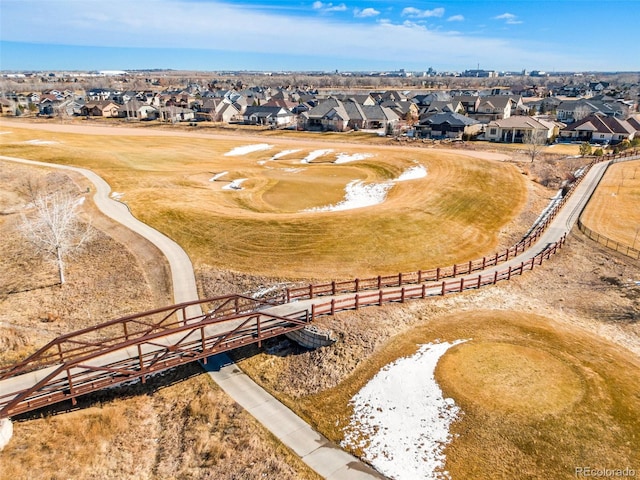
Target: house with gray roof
x,y
448,125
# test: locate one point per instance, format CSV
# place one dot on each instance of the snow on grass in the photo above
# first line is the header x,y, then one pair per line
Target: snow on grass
x,y
315,154
41,142
294,170
283,153
116,195
412,173
346,158
217,176
358,195
4,133
401,419
236,152
235,185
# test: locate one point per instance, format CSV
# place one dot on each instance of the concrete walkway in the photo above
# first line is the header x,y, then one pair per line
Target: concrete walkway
x,y
316,451
319,453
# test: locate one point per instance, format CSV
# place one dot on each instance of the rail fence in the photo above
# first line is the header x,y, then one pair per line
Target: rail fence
x,y
608,242
378,298
440,273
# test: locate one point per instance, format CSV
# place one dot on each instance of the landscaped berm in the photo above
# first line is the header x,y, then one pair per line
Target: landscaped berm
x,y
524,395
288,208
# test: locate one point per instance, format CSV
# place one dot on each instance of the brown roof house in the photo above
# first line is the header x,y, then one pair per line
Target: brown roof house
x,y
598,128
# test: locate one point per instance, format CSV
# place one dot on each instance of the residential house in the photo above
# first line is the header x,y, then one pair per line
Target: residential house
x,y
7,107
470,103
494,107
268,115
439,106
137,110
448,125
516,129
598,128
571,111
335,115
176,114
101,108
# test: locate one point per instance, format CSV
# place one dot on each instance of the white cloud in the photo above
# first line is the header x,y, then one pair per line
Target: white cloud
x,y
456,18
366,12
509,18
213,25
329,7
415,13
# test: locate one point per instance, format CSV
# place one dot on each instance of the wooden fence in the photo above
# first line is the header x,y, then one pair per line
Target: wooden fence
x,y
400,295
440,273
609,243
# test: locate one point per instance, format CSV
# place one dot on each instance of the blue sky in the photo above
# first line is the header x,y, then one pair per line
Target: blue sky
x,y
558,35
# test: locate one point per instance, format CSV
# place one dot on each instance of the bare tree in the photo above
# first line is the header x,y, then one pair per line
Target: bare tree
x,y
534,141
54,227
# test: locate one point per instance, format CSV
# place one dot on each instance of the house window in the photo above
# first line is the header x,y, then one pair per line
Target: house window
x,y
493,131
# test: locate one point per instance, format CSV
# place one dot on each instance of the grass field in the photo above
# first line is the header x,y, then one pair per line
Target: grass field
x,y
614,210
536,401
453,214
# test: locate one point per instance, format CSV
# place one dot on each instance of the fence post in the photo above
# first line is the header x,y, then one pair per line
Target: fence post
x,y
509,274
424,291
310,291
379,282
402,295
419,276
400,279
455,269
479,280
470,265
357,301
357,284
380,298
333,306
495,277
484,262
333,287
438,274
443,288
462,284
288,292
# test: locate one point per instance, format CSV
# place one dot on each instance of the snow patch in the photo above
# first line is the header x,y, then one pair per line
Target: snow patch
x,y
412,173
4,133
238,151
358,195
6,432
294,170
217,176
315,154
41,142
116,195
401,419
235,185
283,153
346,158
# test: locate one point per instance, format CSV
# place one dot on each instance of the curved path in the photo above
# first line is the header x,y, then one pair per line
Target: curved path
x,y
315,450
324,457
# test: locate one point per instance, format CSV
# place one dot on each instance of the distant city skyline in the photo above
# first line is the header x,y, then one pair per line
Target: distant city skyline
x,y
298,35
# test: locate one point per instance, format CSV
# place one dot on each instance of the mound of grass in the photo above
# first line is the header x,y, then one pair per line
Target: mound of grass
x,y
453,214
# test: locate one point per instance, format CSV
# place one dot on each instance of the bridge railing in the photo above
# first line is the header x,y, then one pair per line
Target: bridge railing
x,y
141,356
99,337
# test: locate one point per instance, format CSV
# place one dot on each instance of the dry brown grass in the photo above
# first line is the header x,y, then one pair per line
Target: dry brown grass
x,y
189,430
614,210
455,213
579,376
